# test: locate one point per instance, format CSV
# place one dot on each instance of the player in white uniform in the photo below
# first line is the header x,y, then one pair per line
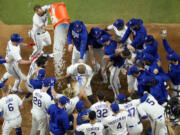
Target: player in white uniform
x,y
129,62
85,71
40,36
14,58
41,102
134,125
9,108
155,113
119,29
91,128
117,122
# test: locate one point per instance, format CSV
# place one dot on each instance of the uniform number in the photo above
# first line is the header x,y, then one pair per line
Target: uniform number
x,y
10,107
119,125
150,101
131,112
102,113
37,101
93,133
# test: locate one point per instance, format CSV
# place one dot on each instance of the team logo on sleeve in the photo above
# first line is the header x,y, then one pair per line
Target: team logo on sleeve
x,y
74,34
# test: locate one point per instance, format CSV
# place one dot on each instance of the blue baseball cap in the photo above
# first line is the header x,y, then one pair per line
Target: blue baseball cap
x,y
172,57
41,74
119,23
63,100
148,57
104,39
133,70
149,38
16,38
115,107
96,32
80,105
121,97
1,85
133,22
77,27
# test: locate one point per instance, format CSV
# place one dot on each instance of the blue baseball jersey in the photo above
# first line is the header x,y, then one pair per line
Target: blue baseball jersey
x,y
80,121
138,36
152,49
93,42
118,61
36,84
173,70
110,49
59,121
79,39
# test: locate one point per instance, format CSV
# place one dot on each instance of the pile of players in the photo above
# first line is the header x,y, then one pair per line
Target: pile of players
x,y
75,109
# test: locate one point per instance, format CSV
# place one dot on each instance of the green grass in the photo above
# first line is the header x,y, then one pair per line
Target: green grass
x,y
96,11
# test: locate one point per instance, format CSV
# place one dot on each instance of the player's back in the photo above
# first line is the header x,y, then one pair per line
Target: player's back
x,y
131,108
101,110
151,107
9,106
41,101
91,129
117,123
71,105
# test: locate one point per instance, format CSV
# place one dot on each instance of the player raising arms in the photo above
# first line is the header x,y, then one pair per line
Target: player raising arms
x,y
9,110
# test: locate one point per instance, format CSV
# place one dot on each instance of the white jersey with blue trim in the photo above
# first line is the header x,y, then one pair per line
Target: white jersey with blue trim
x,y
117,123
9,106
151,108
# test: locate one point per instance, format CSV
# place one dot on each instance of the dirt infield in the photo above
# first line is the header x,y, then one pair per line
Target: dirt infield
x,y
7,30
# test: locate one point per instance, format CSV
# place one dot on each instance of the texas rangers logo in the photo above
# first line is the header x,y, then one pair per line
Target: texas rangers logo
x,y
74,34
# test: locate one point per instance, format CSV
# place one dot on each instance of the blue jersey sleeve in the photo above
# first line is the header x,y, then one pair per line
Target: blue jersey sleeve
x,y
126,35
167,47
137,39
66,124
84,38
69,34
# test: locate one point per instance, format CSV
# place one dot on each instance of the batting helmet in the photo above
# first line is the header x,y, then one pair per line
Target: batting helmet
x,y
16,38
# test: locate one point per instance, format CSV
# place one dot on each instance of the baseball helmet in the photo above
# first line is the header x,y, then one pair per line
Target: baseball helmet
x,y
104,39
96,32
121,97
16,38
80,105
118,23
78,26
133,70
41,74
149,38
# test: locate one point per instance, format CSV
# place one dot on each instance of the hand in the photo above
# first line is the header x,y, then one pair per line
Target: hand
x,y
80,61
75,115
155,71
124,71
164,33
106,57
85,117
31,44
130,47
33,58
70,48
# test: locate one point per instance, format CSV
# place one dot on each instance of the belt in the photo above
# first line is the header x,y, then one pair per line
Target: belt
x,y
40,33
135,124
14,118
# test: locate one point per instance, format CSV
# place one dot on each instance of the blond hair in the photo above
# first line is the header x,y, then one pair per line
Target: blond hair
x,y
69,92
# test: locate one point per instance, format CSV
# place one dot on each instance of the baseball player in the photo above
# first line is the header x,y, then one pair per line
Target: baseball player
x,y
85,71
130,60
14,58
9,110
59,121
135,26
96,49
117,122
78,35
81,112
41,102
139,75
174,65
134,124
40,36
155,113
91,128
119,29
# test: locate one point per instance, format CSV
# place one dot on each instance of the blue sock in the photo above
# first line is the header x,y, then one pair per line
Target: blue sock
x,y
18,131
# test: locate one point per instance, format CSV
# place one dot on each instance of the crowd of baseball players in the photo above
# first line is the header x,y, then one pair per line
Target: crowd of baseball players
x,y
77,110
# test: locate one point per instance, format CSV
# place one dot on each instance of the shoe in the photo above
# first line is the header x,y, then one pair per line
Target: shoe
x,y
110,87
175,123
18,92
